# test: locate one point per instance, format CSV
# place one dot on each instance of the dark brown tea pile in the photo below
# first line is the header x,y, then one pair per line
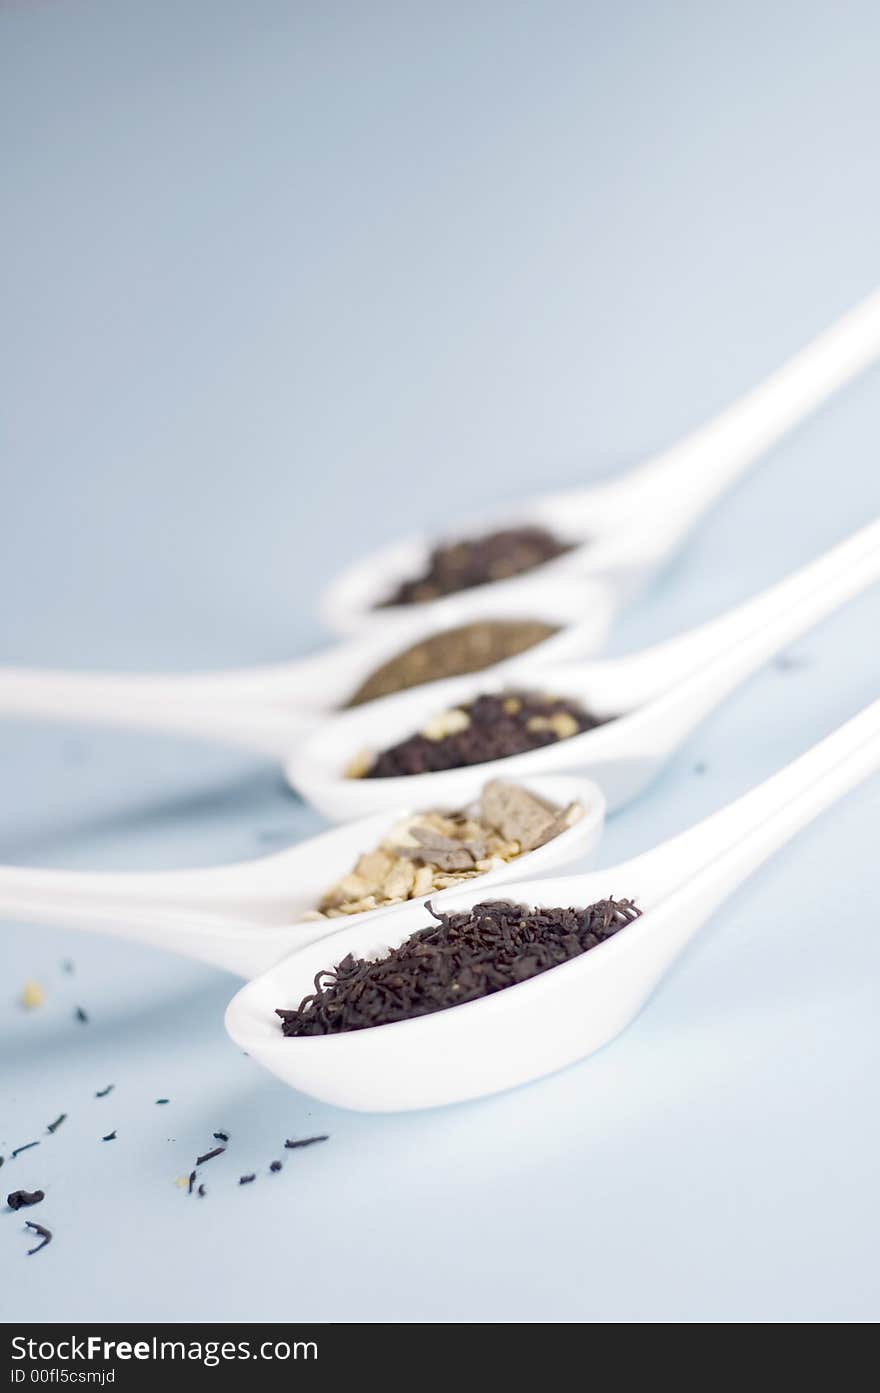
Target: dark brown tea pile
x,y
491,726
453,653
460,958
462,565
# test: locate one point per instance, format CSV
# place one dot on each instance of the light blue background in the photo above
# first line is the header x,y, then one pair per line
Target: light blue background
x,y
283,280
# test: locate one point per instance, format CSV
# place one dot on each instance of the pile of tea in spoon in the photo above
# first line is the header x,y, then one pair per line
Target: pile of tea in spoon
x,y
492,726
479,561
461,958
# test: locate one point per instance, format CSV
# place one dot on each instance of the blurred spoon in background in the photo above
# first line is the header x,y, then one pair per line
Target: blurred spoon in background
x,y
620,532
268,708
649,702
246,916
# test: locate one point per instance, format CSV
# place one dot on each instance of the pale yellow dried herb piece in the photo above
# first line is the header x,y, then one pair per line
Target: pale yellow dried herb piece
x,y
563,725
447,723
538,724
360,765
354,886
374,866
424,882
32,995
399,882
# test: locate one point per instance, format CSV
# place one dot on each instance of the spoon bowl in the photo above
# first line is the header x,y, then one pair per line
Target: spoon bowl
x,y
480,1047
317,768
621,532
563,1015
246,917
355,601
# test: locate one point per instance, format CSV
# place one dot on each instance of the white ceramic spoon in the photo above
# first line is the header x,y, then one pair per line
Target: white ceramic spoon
x,y
247,916
657,696
550,1021
625,529
268,708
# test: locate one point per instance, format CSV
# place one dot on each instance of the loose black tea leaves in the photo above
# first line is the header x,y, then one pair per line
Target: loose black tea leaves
x,y
461,958
246,1179
81,1016
293,1144
42,1233
478,561
452,653
162,1101
202,1192
221,1136
191,1182
19,1198
27,1146
491,726
209,1155
53,1126
103,1092
275,1167
111,1136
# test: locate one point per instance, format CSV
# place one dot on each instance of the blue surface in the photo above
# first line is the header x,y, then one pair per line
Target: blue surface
x,y
288,279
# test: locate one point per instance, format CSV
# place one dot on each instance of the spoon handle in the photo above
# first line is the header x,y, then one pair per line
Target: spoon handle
x,y
670,719
652,671
258,891
240,946
727,848
237,917
693,474
841,760
215,707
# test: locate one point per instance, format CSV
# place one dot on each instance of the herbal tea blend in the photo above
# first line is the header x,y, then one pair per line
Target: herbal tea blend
x,y
452,653
461,958
491,726
462,565
432,850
